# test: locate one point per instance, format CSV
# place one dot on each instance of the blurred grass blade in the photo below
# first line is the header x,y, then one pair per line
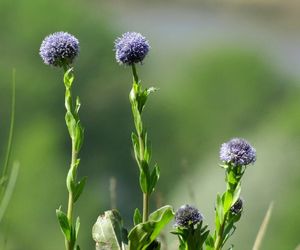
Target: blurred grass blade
x,y
298,247
263,228
11,128
9,188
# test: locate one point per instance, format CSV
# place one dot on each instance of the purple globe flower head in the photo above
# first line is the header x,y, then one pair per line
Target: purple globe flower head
x,y
237,207
187,216
131,48
237,152
59,49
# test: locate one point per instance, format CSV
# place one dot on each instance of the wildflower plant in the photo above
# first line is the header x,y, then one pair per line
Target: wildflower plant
x,y
60,50
236,155
189,228
131,49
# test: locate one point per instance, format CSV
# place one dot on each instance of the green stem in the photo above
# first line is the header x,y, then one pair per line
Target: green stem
x,y
219,240
146,197
71,198
135,76
142,143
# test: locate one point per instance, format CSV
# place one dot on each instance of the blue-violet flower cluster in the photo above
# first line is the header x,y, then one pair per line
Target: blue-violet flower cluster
x,y
237,152
59,49
187,216
131,48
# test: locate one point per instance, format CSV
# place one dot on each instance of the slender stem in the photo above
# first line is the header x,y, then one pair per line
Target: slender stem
x,y
146,197
219,239
71,198
70,244
135,76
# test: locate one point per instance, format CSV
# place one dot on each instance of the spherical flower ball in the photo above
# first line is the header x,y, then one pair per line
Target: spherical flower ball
x,y
237,152
131,48
58,49
187,216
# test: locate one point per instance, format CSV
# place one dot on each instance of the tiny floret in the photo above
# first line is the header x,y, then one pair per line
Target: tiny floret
x,y
237,152
131,48
187,216
237,207
59,49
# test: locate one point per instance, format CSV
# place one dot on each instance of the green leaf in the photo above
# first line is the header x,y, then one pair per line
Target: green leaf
x,y
70,181
136,146
77,226
154,178
79,188
219,208
148,148
138,121
237,192
137,217
209,243
64,224
231,178
144,177
143,234
108,231
79,136
228,201
68,78
71,124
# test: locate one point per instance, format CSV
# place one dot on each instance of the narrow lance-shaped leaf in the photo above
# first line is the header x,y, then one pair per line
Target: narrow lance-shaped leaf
x,y
144,177
154,178
137,217
64,223
79,188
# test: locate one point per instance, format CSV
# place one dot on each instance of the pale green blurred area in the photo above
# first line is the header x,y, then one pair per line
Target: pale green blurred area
x,y
223,70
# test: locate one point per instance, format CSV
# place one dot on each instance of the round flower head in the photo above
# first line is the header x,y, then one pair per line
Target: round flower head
x,y
59,49
187,216
237,152
131,48
237,207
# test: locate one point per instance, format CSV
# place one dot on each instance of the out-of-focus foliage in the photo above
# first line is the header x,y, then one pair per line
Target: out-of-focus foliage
x,y
205,98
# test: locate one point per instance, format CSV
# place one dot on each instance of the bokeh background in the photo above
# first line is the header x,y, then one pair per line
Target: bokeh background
x,y
223,68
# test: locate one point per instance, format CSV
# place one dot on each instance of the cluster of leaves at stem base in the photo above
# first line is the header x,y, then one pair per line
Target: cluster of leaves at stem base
x,y
143,235
192,237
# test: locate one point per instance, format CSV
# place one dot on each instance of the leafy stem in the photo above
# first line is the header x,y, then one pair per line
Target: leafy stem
x,y
141,145
75,188
225,218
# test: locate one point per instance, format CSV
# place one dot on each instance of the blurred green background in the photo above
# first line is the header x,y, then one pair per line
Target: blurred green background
x,y
223,70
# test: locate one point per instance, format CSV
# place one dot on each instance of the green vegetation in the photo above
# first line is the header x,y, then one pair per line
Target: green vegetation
x,y
215,95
